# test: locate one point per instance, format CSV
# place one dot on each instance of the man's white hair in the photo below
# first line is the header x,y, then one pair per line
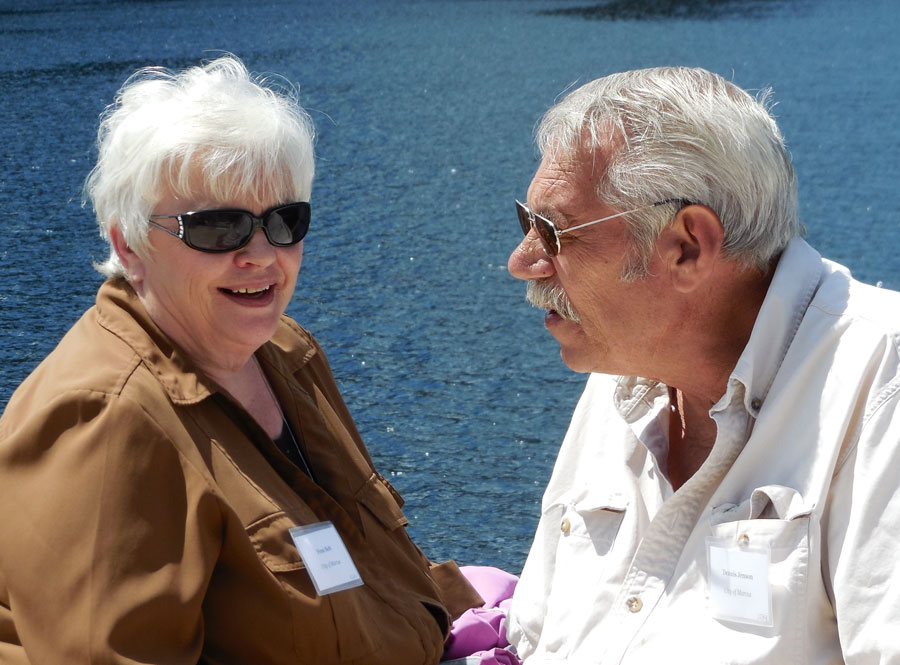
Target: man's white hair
x,y
683,134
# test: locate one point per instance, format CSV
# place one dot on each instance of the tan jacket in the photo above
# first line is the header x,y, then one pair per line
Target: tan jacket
x,y
144,515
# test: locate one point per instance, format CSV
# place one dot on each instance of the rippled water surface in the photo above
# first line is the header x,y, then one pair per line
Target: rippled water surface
x,y
425,112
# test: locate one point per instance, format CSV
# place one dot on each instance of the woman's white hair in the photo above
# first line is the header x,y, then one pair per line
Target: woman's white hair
x,y
214,131
683,134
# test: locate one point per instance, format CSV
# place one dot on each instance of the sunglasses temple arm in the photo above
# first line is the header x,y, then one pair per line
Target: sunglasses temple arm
x,y
169,231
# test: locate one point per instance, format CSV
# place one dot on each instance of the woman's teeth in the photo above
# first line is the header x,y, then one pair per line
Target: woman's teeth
x,y
250,291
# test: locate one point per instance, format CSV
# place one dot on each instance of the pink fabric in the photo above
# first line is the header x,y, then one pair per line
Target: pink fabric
x,y
481,631
492,584
498,657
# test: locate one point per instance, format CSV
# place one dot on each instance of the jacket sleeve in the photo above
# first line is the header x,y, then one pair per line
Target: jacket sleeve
x,y
107,537
863,520
457,593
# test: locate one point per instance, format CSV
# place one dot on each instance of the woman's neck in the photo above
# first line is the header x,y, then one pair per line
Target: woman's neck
x,y
249,386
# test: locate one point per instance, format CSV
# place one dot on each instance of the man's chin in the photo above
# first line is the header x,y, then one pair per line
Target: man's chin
x,y
576,359
574,348
568,333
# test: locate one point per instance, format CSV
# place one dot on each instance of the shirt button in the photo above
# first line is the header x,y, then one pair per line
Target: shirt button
x,y
756,404
634,604
565,525
744,539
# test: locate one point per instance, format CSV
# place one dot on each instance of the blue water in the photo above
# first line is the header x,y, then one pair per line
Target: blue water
x,y
425,112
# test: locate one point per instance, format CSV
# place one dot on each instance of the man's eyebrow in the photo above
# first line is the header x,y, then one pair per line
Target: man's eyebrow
x,y
548,212
559,218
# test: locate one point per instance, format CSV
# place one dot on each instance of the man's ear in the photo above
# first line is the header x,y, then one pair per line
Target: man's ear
x,y
133,263
691,246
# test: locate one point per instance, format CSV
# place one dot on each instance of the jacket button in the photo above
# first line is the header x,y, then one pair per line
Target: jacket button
x,y
565,526
634,604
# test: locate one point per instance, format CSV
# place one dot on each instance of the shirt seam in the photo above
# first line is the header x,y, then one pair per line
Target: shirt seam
x,y
884,396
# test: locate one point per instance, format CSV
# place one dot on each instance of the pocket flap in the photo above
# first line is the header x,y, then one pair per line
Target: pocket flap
x,y
768,502
777,502
381,499
272,541
588,500
614,503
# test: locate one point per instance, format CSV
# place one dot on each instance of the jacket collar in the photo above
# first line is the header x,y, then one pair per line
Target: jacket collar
x,y
120,311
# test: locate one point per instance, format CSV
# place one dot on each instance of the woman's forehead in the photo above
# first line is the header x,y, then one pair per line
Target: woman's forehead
x,y
225,189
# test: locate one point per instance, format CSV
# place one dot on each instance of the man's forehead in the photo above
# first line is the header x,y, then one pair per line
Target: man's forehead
x,y
560,166
593,149
561,180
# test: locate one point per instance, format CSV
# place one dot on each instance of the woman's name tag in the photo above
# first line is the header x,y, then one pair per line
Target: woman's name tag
x,y
326,558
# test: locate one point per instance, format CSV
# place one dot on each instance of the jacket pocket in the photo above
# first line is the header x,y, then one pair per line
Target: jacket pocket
x,y
335,628
272,541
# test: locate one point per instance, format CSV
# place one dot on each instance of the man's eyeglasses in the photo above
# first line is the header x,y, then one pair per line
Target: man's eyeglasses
x,y
549,234
229,230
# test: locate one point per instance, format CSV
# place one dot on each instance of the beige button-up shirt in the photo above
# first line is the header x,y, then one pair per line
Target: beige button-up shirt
x,y
144,515
802,480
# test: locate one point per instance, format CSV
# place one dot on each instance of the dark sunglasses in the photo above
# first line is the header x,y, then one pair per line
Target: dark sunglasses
x,y
228,230
549,233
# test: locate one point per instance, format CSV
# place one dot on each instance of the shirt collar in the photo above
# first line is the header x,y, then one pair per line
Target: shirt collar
x,y
120,311
796,279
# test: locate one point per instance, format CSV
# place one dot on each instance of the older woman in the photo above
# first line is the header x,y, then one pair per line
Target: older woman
x,y
180,480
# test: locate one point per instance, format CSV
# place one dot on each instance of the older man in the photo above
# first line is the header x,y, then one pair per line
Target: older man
x,y
727,490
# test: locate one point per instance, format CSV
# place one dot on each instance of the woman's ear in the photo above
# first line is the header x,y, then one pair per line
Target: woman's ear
x,y
134,265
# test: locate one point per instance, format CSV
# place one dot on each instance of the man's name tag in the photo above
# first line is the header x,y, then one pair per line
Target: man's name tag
x,y
739,588
326,558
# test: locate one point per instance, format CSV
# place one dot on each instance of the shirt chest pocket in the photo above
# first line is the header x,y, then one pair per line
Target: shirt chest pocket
x,y
586,531
589,526
774,521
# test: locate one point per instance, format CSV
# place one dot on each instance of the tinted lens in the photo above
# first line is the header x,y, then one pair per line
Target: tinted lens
x,y
524,219
217,230
288,224
547,233
545,230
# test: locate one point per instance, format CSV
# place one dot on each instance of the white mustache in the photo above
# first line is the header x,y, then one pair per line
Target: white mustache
x,y
544,296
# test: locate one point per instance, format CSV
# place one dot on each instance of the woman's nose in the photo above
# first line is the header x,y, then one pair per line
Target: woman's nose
x,y
258,251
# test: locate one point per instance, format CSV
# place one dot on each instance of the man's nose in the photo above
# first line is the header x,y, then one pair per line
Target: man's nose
x,y
529,260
